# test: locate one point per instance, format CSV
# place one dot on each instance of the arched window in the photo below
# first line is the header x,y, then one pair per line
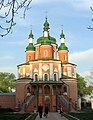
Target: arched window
x,y
29,57
47,90
36,77
55,77
65,89
45,53
65,57
45,77
28,89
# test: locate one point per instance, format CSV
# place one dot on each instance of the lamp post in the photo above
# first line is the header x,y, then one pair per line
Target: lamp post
x,y
91,98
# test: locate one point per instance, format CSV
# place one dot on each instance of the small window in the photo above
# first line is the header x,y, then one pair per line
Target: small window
x,y
65,89
36,77
70,71
55,77
45,53
29,58
65,57
40,89
46,77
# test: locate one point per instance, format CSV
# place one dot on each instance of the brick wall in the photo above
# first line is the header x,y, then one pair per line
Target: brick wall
x,y
7,100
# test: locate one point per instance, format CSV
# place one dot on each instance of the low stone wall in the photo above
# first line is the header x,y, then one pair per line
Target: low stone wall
x,y
7,100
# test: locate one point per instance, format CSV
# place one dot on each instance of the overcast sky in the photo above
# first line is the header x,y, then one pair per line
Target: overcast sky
x,y
74,15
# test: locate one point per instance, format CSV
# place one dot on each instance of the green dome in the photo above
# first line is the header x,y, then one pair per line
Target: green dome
x,y
62,47
62,35
46,40
30,47
46,25
30,35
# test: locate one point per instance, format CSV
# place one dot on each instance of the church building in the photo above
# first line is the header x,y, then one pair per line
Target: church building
x,y
47,77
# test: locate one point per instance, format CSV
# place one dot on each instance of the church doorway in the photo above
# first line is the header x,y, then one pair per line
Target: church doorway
x,y
47,102
47,96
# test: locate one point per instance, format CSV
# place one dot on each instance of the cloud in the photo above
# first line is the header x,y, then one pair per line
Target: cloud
x,y
81,56
83,60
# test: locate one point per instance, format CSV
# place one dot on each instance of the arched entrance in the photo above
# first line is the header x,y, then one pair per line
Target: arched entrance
x,y
47,96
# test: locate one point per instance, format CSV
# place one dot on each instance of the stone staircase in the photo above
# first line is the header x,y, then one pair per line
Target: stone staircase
x,y
67,102
27,103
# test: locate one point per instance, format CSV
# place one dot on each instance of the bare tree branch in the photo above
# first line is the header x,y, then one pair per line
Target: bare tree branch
x,y
91,28
11,8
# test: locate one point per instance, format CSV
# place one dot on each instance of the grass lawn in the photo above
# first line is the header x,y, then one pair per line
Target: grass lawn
x,y
12,116
86,114
8,114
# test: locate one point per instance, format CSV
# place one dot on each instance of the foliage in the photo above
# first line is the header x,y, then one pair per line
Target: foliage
x,y
83,88
7,82
5,110
83,115
12,116
8,114
90,77
8,10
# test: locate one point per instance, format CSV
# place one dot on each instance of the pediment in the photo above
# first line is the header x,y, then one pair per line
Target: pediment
x,y
55,70
35,70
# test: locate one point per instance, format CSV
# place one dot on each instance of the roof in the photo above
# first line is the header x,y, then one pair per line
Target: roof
x,y
62,47
30,35
46,40
69,63
47,82
62,35
30,47
8,94
46,25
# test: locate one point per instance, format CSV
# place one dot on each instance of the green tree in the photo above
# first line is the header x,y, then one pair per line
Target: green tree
x,y
7,82
89,77
83,87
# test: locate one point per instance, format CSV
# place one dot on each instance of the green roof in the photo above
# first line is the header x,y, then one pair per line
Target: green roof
x,y
62,35
30,47
47,82
62,47
30,35
46,40
46,25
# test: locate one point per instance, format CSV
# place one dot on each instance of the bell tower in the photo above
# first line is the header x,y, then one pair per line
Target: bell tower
x,y
30,49
63,49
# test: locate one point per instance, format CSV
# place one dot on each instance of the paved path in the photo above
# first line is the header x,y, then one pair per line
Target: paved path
x,y
52,116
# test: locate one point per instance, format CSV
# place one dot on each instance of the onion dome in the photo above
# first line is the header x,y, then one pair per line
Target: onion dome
x,y
62,45
30,47
46,38
46,25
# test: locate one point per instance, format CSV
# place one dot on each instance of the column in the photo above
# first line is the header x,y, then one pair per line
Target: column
x,y
37,96
51,71
43,97
56,98
23,72
50,97
40,71
59,70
